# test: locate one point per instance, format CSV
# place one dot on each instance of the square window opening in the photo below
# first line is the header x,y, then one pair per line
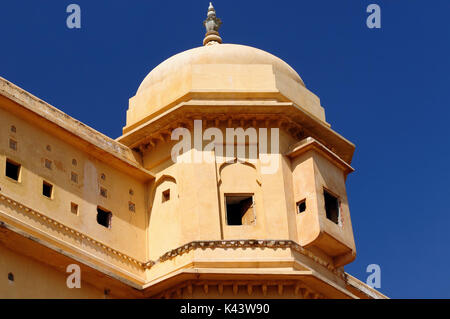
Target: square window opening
x,y
331,207
48,164
74,177
104,217
104,192
166,195
301,206
47,189
12,170
131,207
239,210
74,208
13,144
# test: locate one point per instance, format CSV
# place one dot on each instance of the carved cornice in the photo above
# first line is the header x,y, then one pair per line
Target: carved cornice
x,y
247,243
206,244
245,287
163,134
52,223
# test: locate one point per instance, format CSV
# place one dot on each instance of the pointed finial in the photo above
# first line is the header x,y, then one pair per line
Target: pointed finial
x,y
212,25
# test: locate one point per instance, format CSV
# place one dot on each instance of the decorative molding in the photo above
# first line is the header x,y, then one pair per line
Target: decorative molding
x,y
206,244
163,178
234,161
309,143
246,243
250,287
215,120
54,224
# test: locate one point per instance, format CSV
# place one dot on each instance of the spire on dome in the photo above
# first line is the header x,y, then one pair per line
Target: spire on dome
x,y
212,25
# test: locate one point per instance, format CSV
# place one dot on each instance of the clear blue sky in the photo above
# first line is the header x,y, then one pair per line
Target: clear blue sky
x,y
386,90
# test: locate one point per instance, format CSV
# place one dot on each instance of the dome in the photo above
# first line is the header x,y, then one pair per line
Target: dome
x,y
218,54
215,74
219,72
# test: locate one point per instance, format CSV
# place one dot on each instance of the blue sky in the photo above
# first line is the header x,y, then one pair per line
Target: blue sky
x,y
386,90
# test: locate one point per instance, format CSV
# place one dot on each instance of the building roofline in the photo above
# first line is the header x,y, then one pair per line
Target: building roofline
x,y
309,143
105,148
363,288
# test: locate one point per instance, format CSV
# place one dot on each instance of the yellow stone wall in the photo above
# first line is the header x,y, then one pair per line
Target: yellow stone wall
x,y
32,279
128,229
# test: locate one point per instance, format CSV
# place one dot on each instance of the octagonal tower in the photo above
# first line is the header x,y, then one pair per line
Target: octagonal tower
x,y
222,214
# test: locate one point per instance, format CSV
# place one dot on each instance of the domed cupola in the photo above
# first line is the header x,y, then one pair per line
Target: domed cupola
x,y
219,71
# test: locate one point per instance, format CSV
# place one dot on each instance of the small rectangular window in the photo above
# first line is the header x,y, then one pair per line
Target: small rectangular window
x,y
12,170
166,195
104,217
48,164
301,206
13,144
74,208
47,189
74,177
131,207
104,192
239,210
331,207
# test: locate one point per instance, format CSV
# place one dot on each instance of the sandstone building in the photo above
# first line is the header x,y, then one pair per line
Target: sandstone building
x,y
140,225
